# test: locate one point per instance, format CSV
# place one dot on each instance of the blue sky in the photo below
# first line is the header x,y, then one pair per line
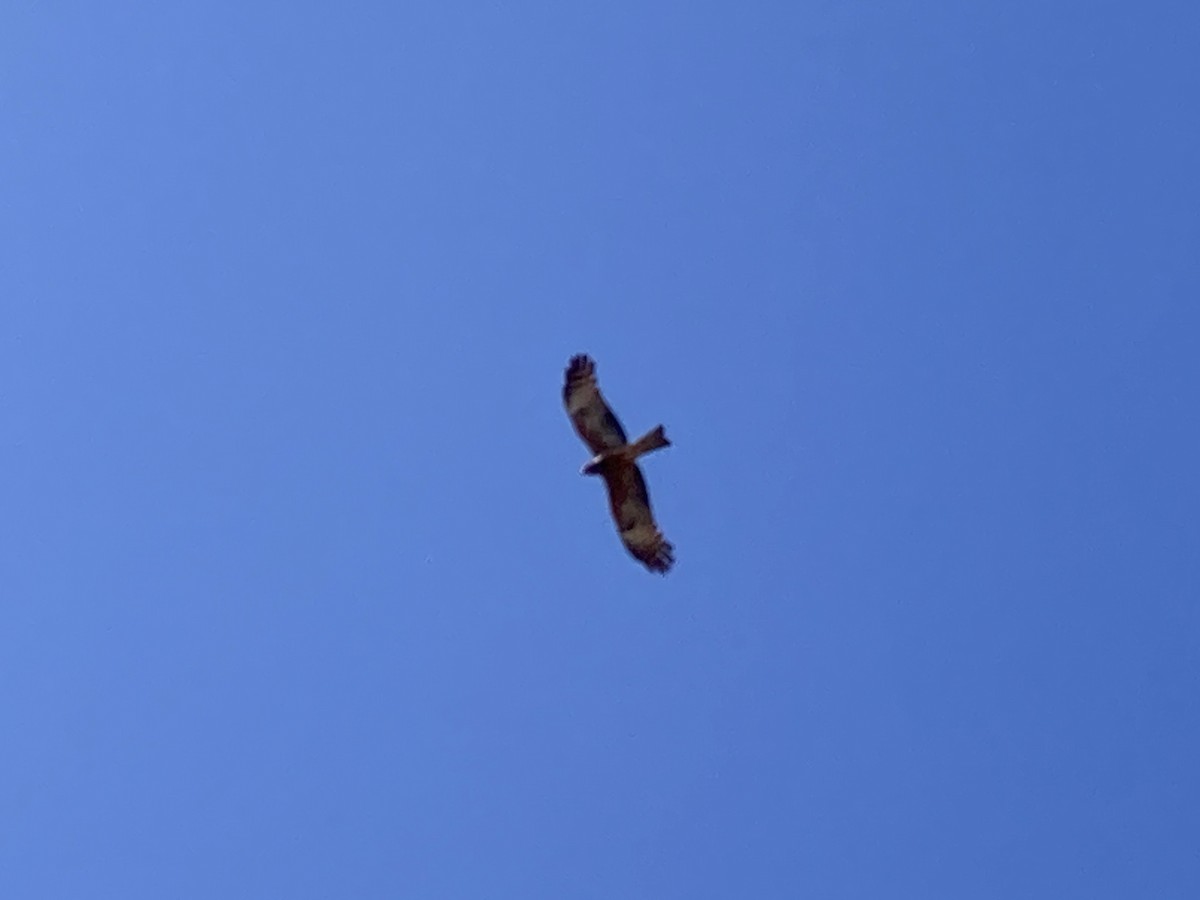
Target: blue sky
x,y
305,597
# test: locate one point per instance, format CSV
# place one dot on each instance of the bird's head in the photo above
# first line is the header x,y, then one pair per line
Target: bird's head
x,y
593,466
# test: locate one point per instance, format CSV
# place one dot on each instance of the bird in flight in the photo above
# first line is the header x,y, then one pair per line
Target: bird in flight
x,y
615,461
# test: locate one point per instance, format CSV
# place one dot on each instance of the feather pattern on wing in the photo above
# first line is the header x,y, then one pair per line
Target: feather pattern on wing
x,y
592,417
630,503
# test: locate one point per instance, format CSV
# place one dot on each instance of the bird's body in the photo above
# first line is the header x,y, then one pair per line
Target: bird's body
x,y
615,460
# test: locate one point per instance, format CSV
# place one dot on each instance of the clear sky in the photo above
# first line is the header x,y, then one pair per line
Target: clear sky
x,y
303,595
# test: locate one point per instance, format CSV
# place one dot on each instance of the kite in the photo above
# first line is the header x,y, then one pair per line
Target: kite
x,y
615,461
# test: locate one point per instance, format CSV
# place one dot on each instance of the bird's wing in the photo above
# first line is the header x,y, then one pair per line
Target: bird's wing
x,y
630,503
591,416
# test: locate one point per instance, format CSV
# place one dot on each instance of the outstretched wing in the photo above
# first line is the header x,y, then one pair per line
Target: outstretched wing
x,y
590,415
630,502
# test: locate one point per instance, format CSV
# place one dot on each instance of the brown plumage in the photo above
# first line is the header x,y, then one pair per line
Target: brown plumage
x,y
615,460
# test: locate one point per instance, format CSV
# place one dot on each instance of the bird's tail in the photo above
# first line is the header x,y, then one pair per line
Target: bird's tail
x,y
649,442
